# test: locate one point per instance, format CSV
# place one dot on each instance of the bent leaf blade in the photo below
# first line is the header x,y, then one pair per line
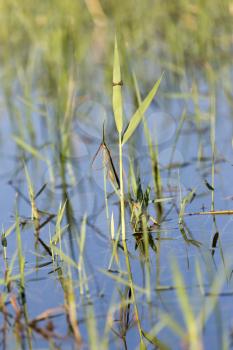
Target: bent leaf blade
x,y
138,115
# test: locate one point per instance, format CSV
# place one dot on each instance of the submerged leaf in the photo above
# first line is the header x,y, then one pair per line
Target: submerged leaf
x,y
4,241
9,230
155,341
209,186
214,243
138,115
28,148
185,201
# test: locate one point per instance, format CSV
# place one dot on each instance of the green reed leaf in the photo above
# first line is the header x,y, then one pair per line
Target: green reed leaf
x,y
155,341
138,115
117,95
28,148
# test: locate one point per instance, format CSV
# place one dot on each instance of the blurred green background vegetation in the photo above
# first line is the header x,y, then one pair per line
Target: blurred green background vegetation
x,y
51,48
51,37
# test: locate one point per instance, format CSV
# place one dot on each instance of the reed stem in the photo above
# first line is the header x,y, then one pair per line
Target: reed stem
x,y
123,232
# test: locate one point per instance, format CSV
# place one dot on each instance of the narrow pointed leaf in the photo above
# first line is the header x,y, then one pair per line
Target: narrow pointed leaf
x,y
155,341
28,148
138,115
117,96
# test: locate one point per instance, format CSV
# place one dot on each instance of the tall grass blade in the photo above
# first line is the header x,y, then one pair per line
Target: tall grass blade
x,y
117,96
138,115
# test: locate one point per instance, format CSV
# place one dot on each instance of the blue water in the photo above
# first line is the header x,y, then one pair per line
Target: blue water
x,y
86,195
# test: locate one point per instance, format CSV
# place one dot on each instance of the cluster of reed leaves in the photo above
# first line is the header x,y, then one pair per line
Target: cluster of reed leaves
x,y
133,123
123,138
